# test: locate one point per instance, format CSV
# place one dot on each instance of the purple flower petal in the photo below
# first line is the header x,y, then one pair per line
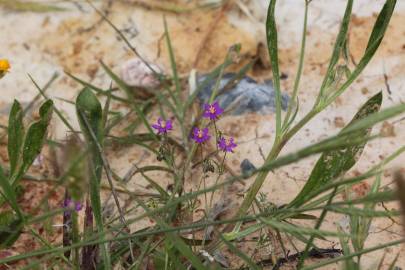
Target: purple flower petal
x,y
162,126
200,135
212,111
226,145
78,206
72,205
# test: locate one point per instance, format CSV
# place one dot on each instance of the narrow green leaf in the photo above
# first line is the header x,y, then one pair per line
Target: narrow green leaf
x,y
97,89
157,187
89,109
289,228
106,111
176,98
338,49
303,216
374,42
359,212
208,79
58,113
381,24
90,115
335,163
35,138
360,224
122,85
349,264
31,6
8,193
182,247
243,233
271,35
15,135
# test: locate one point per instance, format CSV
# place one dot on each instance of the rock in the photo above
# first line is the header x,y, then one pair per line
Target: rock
x,y
245,97
136,73
339,122
246,166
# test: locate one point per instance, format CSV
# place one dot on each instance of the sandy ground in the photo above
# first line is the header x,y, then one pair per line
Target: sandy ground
x,y
41,44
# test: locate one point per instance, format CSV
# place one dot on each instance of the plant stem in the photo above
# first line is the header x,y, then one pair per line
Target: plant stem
x,y
299,70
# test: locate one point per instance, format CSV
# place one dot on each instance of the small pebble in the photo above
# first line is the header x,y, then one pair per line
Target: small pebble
x,y
247,167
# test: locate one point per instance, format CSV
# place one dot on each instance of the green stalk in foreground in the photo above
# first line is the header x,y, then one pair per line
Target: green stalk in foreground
x,y
89,112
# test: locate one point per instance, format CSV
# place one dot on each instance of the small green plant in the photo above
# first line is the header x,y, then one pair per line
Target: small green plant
x,y
190,146
23,148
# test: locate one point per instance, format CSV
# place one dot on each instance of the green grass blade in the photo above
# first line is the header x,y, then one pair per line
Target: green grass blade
x,y
97,89
186,251
28,6
289,228
375,118
209,78
349,264
215,90
362,212
156,186
126,89
335,163
271,35
46,87
174,68
58,113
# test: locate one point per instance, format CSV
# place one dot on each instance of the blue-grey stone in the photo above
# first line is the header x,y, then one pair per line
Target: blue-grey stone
x,y
247,167
247,96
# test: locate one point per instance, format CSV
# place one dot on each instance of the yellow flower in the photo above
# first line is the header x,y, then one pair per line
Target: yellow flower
x,y
4,67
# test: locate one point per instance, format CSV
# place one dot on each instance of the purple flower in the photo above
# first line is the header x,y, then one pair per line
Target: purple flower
x,y
200,135
212,111
226,145
78,206
71,204
163,126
